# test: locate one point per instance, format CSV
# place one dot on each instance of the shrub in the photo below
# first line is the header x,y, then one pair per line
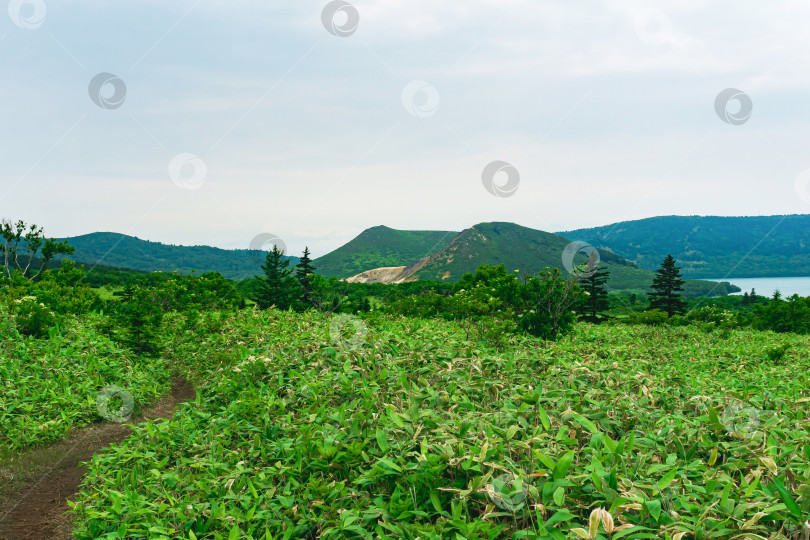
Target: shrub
x,y
791,315
493,302
33,318
548,300
710,314
654,317
425,305
776,354
138,317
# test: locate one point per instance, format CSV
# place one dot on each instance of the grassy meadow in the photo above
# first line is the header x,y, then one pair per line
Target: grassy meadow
x,y
311,426
50,386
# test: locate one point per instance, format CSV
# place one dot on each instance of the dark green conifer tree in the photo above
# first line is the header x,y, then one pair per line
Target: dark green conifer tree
x,y
277,287
596,299
303,273
666,285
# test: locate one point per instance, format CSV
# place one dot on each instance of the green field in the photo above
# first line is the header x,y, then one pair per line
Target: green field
x,y
50,386
409,430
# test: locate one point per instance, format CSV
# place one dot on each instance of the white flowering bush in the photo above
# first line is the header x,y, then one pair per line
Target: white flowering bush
x,y
32,317
710,314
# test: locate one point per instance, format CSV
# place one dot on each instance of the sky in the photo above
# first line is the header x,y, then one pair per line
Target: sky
x,y
212,122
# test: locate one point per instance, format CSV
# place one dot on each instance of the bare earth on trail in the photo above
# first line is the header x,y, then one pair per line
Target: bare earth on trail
x,y
36,508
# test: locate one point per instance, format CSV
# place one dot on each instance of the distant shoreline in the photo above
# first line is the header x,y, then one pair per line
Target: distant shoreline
x,y
765,286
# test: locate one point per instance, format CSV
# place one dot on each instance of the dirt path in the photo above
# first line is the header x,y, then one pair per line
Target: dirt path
x,y
42,481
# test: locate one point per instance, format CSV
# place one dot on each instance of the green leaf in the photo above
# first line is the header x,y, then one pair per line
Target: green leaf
x,y
382,441
790,503
563,465
559,496
667,479
390,464
654,507
437,505
544,418
545,460
584,422
559,517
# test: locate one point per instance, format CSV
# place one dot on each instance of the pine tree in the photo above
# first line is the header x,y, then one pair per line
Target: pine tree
x,y
666,285
597,296
277,287
303,273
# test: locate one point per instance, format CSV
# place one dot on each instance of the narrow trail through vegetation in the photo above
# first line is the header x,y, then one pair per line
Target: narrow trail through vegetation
x,y
36,489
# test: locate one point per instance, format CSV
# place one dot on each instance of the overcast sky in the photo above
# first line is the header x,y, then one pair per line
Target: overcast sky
x,y
223,119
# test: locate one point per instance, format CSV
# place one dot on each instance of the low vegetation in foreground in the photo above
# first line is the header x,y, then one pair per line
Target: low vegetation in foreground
x,y
310,426
499,406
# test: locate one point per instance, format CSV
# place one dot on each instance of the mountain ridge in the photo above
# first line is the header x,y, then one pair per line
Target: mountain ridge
x,y
125,251
705,247
711,246
520,249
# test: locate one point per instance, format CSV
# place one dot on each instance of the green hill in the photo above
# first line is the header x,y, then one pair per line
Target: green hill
x,y
381,246
517,247
530,250
120,250
711,246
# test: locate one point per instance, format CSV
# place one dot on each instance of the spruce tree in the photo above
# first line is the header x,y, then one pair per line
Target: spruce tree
x,y
303,273
666,285
277,287
596,300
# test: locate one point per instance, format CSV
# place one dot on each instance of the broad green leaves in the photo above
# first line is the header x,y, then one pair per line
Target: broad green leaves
x,y
412,435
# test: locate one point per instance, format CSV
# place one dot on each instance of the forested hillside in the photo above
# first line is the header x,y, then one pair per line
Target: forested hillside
x,y
710,246
120,250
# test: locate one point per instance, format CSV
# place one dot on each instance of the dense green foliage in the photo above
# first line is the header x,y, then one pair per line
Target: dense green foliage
x,y
419,433
119,250
492,302
381,246
709,246
61,345
779,315
50,385
98,275
476,409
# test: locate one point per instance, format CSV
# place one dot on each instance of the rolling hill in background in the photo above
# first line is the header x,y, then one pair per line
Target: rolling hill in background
x,y
120,250
709,246
705,247
518,248
381,246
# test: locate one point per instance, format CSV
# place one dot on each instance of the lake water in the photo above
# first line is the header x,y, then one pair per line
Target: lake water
x,y
766,286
